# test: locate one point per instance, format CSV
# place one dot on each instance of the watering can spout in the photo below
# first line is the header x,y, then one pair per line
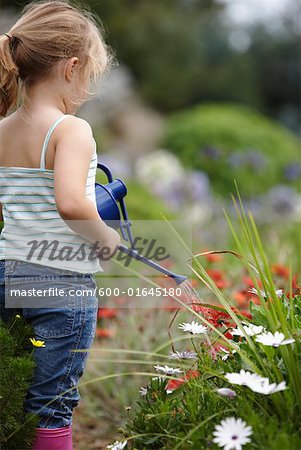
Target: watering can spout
x,y
179,278
134,254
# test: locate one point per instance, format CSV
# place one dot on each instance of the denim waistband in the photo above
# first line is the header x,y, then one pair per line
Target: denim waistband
x,y
11,265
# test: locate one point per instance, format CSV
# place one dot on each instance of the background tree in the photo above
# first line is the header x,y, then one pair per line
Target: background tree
x,y
180,54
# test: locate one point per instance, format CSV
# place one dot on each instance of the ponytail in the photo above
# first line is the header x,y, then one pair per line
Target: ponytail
x,y
9,85
46,33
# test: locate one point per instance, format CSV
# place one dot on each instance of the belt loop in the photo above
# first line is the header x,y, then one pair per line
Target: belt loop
x,y
10,265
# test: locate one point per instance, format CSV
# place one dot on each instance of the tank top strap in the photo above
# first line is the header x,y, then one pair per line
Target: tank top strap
x,y
46,141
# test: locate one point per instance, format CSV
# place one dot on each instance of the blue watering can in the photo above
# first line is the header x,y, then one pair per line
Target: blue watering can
x,y
112,210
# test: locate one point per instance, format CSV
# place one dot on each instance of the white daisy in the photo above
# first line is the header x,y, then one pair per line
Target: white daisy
x,y
117,445
143,391
264,387
253,290
168,370
243,378
279,293
159,378
193,327
227,353
226,392
182,355
232,433
250,329
274,340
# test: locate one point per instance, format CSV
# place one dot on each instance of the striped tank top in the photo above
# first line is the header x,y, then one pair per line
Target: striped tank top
x,y
33,228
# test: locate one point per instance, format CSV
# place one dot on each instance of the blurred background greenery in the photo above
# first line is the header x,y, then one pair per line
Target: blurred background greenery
x,y
202,92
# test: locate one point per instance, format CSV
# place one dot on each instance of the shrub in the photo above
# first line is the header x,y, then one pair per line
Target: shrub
x,y
140,202
16,371
143,205
234,142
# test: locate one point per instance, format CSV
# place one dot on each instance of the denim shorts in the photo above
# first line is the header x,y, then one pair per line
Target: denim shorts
x,y
64,323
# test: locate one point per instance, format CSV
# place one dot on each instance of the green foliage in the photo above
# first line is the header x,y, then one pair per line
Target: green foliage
x,y
143,205
233,142
16,371
181,53
140,202
187,417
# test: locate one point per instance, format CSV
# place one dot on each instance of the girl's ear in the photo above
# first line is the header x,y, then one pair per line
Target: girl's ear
x,y
71,68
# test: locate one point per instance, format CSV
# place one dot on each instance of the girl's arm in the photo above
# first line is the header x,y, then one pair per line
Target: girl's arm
x,y
74,146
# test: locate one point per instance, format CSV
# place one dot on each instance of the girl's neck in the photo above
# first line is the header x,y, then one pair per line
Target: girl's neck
x,y
45,95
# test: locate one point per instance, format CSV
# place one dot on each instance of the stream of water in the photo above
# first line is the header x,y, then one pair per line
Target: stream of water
x,y
190,293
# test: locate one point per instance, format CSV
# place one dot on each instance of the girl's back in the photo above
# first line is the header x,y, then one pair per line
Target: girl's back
x,y
34,230
21,141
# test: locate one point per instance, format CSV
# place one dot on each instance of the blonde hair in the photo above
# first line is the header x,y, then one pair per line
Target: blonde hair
x,y
46,33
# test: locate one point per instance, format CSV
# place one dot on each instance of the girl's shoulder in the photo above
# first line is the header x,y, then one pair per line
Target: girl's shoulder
x,y
76,124
74,128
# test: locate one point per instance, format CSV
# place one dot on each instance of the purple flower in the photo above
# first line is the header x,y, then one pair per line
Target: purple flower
x,y
283,199
198,185
236,159
255,159
210,153
118,165
292,171
251,158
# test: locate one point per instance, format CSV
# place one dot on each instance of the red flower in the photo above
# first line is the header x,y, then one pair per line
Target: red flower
x,y
194,283
281,271
190,374
218,345
121,300
295,287
243,313
243,298
104,332
222,284
247,314
215,274
216,317
107,313
214,257
228,335
218,277
249,282
174,384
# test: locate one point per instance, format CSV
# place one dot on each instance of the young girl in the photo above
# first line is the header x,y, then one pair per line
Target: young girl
x,y
48,162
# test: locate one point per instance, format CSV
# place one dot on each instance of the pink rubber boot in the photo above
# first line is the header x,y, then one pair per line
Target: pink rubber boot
x,y
53,439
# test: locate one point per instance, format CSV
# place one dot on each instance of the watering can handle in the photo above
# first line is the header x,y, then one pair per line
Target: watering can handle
x,y
107,171
125,226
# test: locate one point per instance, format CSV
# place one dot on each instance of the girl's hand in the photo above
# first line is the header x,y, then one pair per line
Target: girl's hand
x,y
108,248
